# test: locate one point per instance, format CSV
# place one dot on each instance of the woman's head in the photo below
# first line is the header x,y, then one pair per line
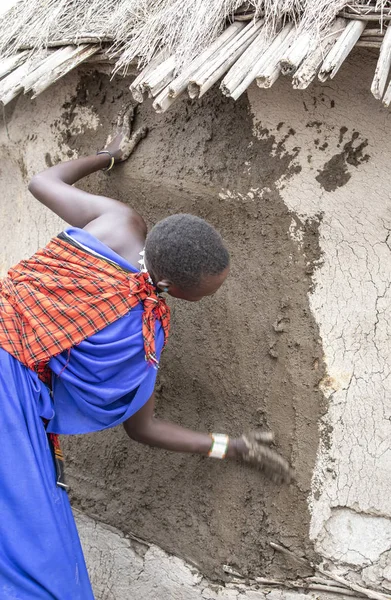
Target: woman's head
x,y
186,257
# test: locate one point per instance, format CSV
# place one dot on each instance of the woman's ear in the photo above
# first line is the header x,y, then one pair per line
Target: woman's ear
x,y
164,285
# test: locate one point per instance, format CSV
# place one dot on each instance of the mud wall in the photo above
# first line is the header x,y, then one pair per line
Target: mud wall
x,y
265,171
243,358
344,149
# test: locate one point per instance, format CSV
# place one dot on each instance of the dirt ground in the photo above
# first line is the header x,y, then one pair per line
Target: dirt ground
x,y
248,357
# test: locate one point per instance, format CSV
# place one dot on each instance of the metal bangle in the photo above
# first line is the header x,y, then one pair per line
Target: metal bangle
x,y
112,159
219,445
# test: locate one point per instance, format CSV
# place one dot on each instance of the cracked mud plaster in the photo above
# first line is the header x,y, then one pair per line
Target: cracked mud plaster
x,y
246,358
122,568
350,301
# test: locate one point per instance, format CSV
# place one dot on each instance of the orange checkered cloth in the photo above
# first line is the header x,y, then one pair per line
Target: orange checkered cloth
x,y
63,294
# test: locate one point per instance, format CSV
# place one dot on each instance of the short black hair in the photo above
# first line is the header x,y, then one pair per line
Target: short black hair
x,y
183,249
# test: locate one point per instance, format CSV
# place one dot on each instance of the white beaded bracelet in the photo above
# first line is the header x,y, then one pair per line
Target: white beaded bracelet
x,y
219,446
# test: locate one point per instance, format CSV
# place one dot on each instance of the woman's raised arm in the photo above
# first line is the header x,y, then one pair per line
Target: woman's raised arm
x,y
54,186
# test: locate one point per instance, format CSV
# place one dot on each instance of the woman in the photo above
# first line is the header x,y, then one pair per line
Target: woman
x,y
82,327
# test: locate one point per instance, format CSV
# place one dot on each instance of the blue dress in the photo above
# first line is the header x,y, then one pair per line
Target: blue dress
x,y
98,384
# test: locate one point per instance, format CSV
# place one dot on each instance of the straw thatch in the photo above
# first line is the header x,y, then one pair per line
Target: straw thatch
x,y
184,44
140,28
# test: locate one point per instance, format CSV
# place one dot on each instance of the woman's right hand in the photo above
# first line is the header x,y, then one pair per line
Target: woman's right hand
x,y
124,141
254,448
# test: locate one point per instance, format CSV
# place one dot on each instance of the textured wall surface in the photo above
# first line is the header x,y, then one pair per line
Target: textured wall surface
x,y
121,568
297,340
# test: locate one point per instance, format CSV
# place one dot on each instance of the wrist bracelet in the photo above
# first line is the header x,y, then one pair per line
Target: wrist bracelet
x,y
112,159
219,445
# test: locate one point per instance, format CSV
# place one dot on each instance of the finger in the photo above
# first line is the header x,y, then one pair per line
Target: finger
x,y
129,115
283,476
246,439
261,436
138,135
258,437
277,468
127,120
265,437
109,140
122,113
120,118
270,462
279,479
128,144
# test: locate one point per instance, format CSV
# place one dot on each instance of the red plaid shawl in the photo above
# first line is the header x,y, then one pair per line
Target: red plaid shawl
x,y
63,294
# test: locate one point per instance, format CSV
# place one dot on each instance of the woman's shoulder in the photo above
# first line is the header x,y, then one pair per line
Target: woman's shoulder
x,y
104,246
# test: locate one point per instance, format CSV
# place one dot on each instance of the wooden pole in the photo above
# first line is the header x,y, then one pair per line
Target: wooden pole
x,y
341,580
73,41
330,589
341,49
370,40
155,91
368,44
12,62
264,58
309,68
157,79
272,68
226,57
163,101
387,96
244,64
383,67
302,46
179,84
104,59
370,32
208,65
354,586
136,86
370,16
48,62
11,86
76,57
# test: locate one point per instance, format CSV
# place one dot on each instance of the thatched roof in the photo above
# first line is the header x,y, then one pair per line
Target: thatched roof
x,y
186,46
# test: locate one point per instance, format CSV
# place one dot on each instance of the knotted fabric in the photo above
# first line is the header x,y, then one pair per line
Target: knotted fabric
x,y
63,294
